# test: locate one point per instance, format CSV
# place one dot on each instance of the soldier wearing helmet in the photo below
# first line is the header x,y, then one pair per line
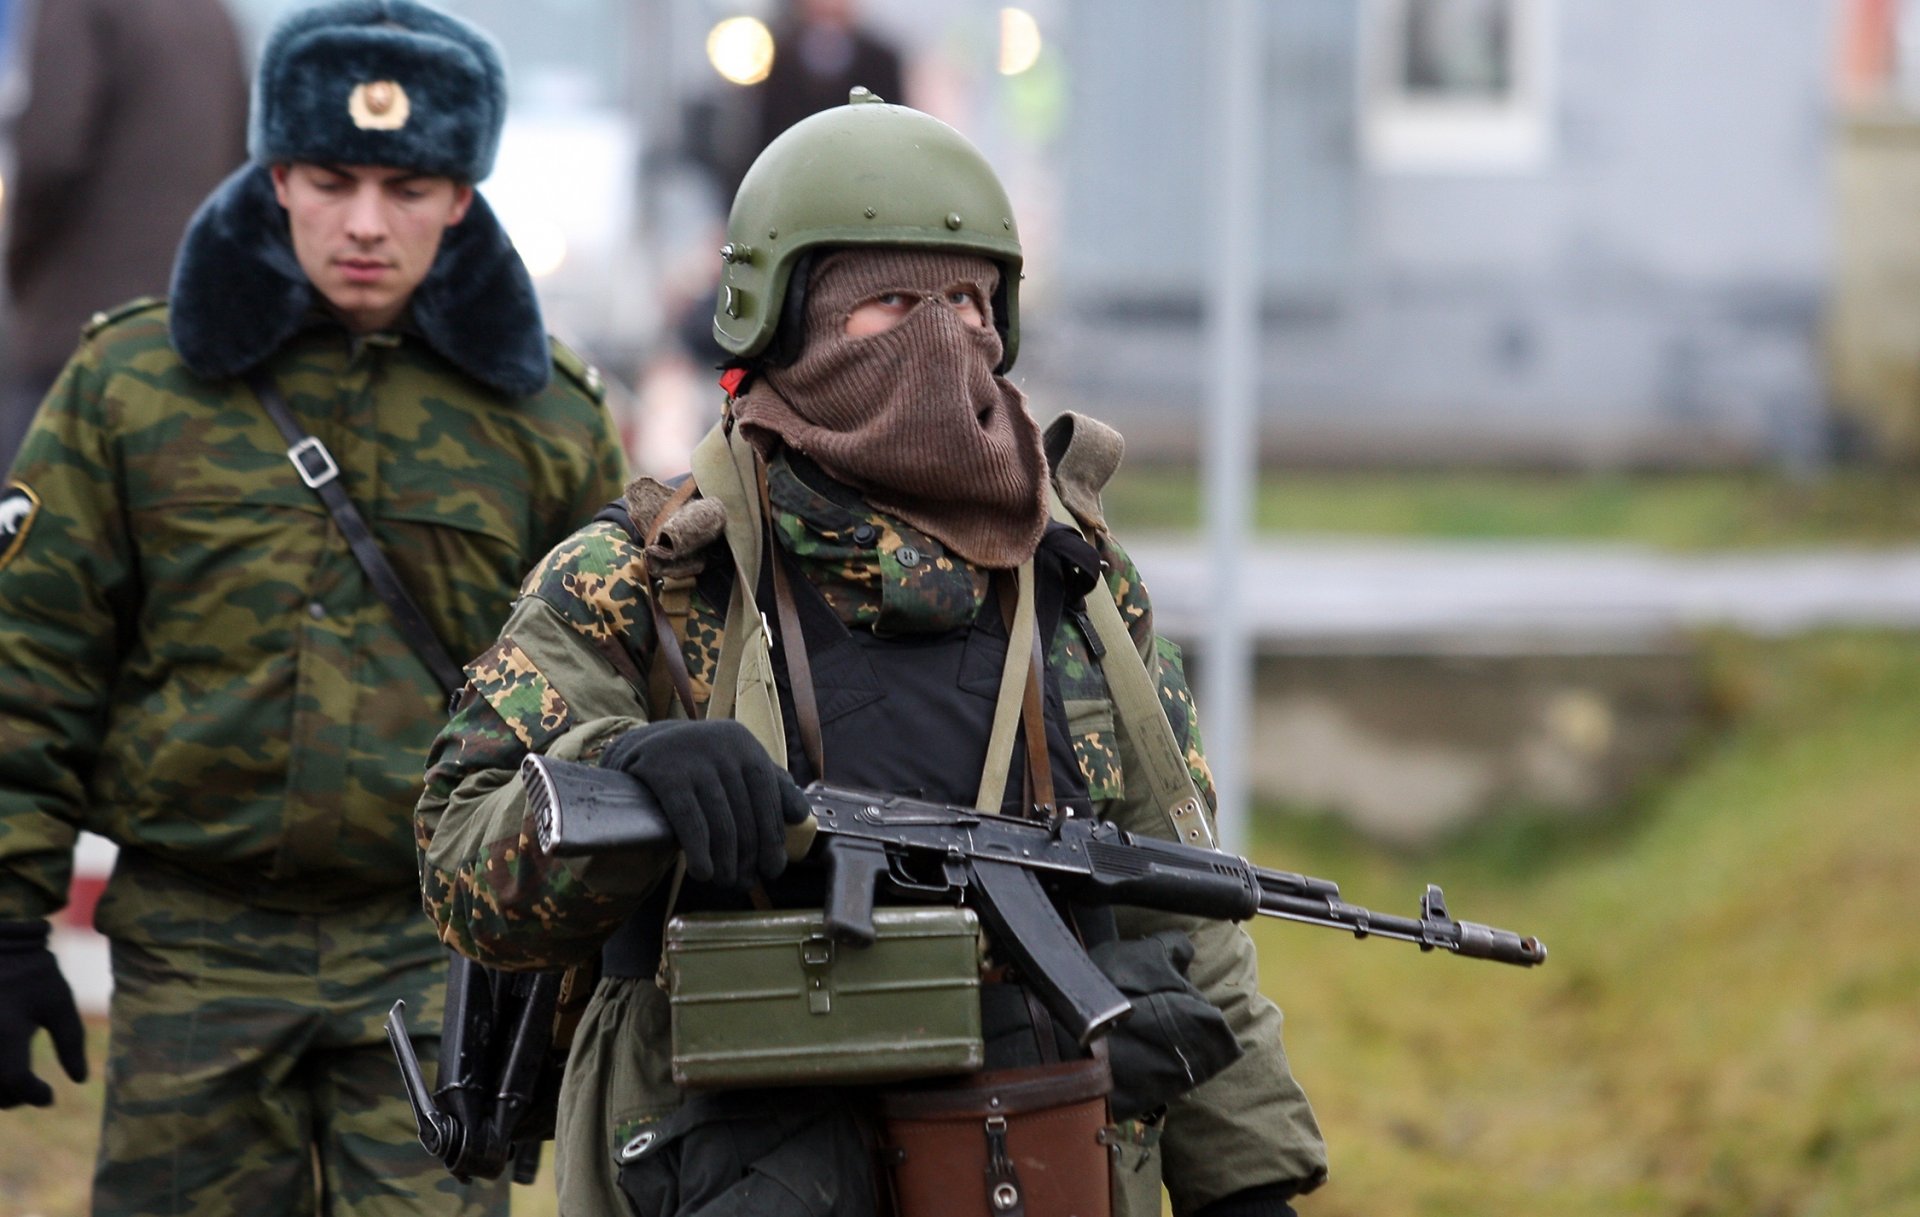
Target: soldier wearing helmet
x,y
873,537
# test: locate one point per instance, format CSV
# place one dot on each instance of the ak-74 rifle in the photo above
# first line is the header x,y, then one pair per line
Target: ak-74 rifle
x,y
1004,869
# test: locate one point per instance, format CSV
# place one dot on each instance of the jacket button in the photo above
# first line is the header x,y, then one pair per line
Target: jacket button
x,y
907,556
866,534
317,611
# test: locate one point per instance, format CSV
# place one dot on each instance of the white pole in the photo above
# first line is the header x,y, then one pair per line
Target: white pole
x,y
1230,287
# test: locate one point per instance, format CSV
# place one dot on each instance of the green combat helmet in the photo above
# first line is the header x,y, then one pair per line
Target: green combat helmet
x,y
865,173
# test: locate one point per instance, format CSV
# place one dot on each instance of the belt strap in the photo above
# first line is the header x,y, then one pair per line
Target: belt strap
x,y
321,473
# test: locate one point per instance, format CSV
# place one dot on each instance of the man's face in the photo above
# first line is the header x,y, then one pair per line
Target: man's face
x,y
366,235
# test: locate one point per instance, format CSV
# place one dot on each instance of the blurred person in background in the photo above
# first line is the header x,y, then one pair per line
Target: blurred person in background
x,y
871,440
821,52
207,659
134,111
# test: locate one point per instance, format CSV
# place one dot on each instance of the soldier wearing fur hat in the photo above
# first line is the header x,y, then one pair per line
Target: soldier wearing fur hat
x,y
837,591
201,659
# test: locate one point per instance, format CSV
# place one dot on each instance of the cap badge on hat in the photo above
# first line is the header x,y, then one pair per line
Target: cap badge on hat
x,y
379,105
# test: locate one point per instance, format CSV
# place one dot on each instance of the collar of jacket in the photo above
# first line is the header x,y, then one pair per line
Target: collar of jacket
x,y
238,292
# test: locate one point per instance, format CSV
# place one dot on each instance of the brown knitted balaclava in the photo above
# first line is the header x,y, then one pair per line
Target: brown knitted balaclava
x,y
913,418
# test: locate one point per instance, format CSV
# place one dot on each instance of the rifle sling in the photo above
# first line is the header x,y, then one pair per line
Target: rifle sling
x,y
321,473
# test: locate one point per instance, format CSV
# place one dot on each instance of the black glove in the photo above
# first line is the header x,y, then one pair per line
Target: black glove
x,y
728,803
1175,1039
1266,1200
33,995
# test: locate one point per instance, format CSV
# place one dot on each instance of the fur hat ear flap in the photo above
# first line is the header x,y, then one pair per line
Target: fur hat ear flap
x,y
379,82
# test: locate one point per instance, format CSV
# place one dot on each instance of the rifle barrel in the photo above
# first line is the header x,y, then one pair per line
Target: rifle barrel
x,y
1435,929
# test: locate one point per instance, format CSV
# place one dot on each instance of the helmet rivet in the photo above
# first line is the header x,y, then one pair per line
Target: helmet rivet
x,y
871,213
773,233
953,220
1007,224
733,251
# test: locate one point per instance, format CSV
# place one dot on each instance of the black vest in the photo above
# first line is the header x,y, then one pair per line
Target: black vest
x,y
908,714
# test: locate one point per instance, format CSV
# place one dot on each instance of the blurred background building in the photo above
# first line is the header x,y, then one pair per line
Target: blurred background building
x,y
1575,231
1579,232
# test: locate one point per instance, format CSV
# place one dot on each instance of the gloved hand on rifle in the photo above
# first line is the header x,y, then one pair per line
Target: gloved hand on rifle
x,y
728,802
33,995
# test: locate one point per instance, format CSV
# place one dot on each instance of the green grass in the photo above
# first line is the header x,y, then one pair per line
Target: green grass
x,y
46,1155
1728,1024
1673,511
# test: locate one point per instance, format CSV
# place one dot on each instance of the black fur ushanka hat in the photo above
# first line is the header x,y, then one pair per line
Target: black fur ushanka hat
x,y
379,82
363,82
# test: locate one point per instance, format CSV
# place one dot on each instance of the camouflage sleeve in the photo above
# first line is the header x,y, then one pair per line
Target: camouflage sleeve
x,y
1251,1124
67,602
552,683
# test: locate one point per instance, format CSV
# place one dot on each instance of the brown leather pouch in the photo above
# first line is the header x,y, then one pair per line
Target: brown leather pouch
x,y
1002,1143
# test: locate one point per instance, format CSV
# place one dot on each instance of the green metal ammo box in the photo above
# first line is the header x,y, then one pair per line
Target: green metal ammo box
x,y
768,999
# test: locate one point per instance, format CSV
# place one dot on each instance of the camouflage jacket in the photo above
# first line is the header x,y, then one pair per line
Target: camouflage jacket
x,y
573,668
191,661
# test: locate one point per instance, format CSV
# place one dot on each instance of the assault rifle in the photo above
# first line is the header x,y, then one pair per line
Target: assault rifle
x,y
1003,868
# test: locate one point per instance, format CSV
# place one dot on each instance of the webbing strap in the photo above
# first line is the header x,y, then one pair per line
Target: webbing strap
x,y
1013,686
1136,701
743,686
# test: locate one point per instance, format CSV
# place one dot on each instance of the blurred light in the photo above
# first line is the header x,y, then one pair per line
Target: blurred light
x,y
1019,41
3,192
741,50
542,245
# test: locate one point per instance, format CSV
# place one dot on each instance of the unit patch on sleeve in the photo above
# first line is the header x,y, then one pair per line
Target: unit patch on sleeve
x,y
18,506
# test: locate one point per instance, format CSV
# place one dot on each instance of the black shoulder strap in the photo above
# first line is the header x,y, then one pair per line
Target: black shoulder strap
x,y
321,473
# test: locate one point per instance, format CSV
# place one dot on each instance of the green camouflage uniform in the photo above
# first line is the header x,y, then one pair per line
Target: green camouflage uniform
x,y
569,672
193,665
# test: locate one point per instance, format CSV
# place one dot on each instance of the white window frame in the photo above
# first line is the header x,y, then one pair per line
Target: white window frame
x,y
1404,131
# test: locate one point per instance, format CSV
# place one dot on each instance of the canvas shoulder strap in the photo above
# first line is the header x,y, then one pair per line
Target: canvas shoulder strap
x,y
743,686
